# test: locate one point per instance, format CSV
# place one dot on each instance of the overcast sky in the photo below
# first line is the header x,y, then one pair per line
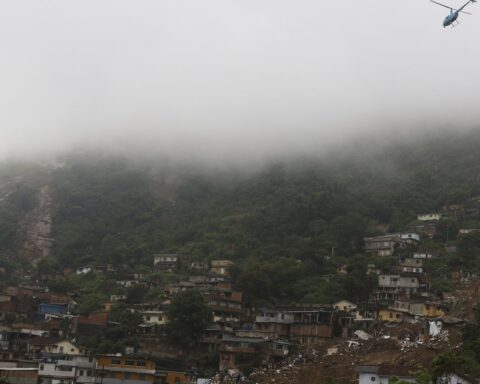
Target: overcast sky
x,y
222,78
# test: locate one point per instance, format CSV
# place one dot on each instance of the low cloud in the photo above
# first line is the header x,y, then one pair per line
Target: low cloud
x,y
223,80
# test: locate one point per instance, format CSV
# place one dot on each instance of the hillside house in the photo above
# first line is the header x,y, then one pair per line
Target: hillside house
x,y
116,298
422,255
97,269
274,324
410,238
220,267
392,287
345,306
382,245
174,288
383,374
429,217
90,325
425,228
67,369
114,369
411,265
153,321
211,337
44,309
311,324
231,346
391,315
225,307
155,317
465,232
198,266
399,282
50,345
165,262
457,378
19,375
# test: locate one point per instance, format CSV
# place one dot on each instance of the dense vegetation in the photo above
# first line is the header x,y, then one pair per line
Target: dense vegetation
x,y
17,198
287,226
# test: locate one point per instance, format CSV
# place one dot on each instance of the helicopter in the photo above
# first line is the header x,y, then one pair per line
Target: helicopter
x,y
450,19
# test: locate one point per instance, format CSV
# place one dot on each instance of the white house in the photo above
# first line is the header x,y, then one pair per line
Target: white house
x,y
397,281
453,378
84,270
154,317
345,305
78,369
382,374
418,255
429,217
410,238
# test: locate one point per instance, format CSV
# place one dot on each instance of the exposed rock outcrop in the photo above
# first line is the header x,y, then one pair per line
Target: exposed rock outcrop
x,y
35,229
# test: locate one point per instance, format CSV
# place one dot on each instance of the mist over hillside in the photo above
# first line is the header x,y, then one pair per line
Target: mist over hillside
x,y
120,210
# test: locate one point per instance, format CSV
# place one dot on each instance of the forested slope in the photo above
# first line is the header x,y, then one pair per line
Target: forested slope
x,y
281,223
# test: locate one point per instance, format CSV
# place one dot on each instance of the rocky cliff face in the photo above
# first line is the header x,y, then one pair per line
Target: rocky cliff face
x,y
35,228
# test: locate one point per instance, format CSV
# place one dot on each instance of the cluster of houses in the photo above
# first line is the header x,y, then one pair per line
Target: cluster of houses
x,y
52,360
34,348
403,294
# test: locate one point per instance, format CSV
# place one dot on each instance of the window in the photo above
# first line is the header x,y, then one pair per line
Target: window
x,y
141,363
147,318
42,367
81,372
116,361
129,362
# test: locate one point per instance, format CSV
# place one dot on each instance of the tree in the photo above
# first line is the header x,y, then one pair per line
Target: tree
x,y
446,363
188,316
91,302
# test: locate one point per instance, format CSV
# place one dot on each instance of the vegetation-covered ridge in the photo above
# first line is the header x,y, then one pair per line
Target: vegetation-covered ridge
x,y
286,226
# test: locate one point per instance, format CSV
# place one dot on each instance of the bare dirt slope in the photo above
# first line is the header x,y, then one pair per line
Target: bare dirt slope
x,y
34,232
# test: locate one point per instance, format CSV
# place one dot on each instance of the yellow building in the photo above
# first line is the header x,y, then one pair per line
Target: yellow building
x,y
390,315
432,310
112,369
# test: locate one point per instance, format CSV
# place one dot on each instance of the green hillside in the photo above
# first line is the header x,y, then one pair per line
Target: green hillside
x,y
287,225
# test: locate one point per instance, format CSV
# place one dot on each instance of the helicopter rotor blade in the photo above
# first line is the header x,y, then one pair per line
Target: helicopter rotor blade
x,y
453,9
443,5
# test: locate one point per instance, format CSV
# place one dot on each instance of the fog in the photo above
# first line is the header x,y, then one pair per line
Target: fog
x,y
222,80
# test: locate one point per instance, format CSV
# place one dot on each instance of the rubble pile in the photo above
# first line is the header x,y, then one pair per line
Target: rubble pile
x,y
403,344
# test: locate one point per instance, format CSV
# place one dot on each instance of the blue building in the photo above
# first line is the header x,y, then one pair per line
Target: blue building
x,y
51,309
